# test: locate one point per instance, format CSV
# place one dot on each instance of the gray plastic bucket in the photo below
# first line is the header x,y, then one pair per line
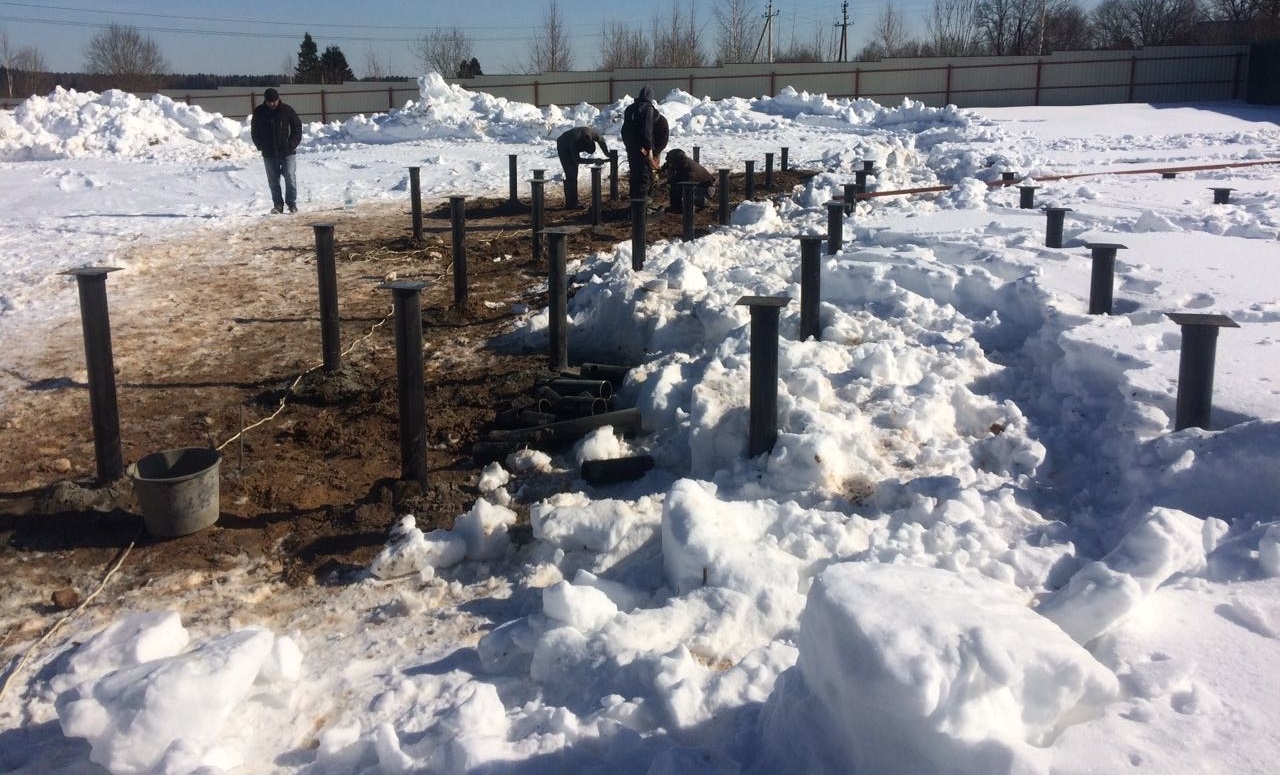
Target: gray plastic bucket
x,y
177,490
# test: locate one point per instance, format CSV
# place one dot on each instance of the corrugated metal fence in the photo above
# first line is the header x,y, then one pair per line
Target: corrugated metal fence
x,y
1164,74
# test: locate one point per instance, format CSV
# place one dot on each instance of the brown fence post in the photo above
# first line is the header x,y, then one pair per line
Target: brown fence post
x,y
1039,68
1133,76
324,108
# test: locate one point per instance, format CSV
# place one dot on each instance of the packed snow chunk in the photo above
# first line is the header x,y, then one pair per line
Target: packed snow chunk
x,y
484,528
923,670
585,608
710,542
125,643
492,477
409,551
1164,542
132,717
1269,551
599,444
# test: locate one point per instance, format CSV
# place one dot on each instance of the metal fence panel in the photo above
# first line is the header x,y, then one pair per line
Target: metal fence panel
x,y
1165,74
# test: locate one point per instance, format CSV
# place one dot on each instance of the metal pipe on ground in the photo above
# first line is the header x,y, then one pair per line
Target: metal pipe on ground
x,y
763,416
687,197
616,375
458,234
616,470
1195,366
613,175
597,206
537,215
327,279
639,218
1102,278
810,286
409,379
512,194
1054,217
415,202
835,226
567,386
624,421
95,323
724,196
558,307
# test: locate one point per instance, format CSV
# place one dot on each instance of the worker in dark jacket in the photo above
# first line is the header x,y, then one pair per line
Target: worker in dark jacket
x,y
276,131
569,147
679,168
641,141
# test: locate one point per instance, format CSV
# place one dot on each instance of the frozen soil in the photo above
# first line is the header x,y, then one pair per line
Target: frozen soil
x,y
219,331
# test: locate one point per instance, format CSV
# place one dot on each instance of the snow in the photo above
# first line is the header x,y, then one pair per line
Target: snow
x,y
978,545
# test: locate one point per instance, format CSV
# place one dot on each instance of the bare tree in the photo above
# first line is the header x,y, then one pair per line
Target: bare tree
x,y
133,60
798,50
1066,27
374,68
6,60
1232,10
623,46
888,36
1133,23
27,73
287,69
1010,27
442,49
677,42
737,22
952,28
551,50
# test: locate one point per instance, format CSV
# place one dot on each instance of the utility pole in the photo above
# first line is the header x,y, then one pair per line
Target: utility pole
x,y
766,34
843,53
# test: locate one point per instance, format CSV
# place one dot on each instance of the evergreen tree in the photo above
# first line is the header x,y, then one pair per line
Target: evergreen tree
x,y
333,66
469,69
308,68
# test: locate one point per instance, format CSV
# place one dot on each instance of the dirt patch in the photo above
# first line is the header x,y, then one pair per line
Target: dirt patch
x,y
218,344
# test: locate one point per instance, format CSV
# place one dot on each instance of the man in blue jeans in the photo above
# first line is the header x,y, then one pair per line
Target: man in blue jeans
x,y
276,131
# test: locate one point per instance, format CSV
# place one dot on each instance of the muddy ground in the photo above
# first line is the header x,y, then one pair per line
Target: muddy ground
x,y
218,331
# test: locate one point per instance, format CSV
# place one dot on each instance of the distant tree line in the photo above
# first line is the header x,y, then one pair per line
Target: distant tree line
x,y
124,58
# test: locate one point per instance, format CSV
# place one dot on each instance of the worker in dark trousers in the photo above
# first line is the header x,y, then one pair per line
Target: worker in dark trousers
x,y
641,132
680,168
569,147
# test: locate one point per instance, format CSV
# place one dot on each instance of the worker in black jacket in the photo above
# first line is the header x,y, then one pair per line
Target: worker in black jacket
x,y
680,168
276,131
569,147
644,138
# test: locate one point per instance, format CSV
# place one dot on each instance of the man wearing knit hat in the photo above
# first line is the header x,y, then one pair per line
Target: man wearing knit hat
x,y
276,131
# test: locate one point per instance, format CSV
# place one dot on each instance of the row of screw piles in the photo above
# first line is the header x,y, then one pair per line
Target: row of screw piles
x,y
1198,356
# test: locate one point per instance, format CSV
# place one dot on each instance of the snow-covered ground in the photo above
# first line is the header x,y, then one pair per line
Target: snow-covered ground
x,y
978,545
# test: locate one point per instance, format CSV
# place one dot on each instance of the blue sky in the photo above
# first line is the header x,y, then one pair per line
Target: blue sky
x,y
240,36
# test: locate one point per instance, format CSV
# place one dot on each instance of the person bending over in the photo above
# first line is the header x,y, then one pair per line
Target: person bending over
x,y
680,168
569,147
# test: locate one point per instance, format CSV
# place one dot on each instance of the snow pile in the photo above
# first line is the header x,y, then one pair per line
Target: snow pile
x,y
68,124
162,709
917,670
